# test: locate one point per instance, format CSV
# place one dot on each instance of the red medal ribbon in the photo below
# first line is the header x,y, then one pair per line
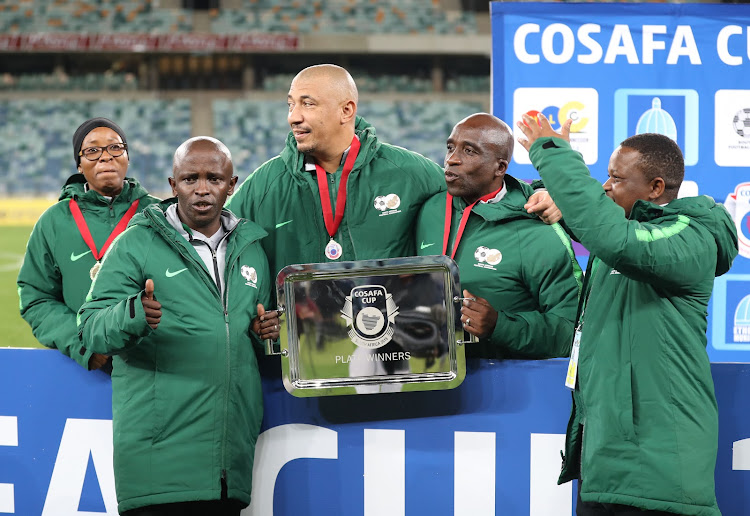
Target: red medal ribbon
x,y
86,233
464,219
332,225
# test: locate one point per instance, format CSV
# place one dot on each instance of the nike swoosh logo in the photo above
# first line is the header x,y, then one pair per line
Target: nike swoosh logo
x,y
75,257
282,224
425,246
175,273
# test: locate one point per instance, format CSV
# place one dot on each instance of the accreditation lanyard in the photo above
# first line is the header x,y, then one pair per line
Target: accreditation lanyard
x,y
332,224
83,228
572,374
464,219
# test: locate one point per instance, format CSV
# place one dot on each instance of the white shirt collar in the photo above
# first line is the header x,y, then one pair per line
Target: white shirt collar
x,y
310,162
498,197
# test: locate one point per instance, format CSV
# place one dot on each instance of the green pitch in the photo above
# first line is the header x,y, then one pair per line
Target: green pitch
x,y
14,332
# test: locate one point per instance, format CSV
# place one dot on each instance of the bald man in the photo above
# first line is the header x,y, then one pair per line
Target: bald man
x,y
179,301
520,275
335,193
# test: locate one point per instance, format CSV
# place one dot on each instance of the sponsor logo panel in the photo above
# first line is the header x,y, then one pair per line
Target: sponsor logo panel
x,y
558,104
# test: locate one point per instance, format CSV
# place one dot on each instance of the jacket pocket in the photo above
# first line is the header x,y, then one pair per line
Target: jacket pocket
x,y
625,405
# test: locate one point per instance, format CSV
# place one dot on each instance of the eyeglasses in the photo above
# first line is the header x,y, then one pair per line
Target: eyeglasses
x,y
94,153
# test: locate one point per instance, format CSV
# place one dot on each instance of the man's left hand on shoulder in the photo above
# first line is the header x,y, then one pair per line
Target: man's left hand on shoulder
x,y
542,204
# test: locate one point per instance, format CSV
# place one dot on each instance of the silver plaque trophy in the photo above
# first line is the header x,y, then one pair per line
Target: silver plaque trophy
x,y
371,326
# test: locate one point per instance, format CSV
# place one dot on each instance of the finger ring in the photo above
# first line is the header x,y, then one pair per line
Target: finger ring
x,y
275,326
468,321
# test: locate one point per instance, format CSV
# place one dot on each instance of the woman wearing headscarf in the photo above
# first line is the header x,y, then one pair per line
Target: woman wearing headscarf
x,y
70,238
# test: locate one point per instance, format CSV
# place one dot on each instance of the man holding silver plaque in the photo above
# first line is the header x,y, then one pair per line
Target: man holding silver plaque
x,y
520,277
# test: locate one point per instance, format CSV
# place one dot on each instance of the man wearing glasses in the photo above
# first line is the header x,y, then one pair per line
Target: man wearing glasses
x,y
70,238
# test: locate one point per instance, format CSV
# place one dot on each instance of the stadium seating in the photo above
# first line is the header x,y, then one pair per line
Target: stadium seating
x,y
109,81
255,131
98,16
42,159
62,82
342,16
366,82
298,16
468,84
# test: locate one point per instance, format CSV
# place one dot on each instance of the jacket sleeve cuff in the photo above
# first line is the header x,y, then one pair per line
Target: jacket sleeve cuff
x,y
500,331
538,186
547,142
134,319
81,355
125,327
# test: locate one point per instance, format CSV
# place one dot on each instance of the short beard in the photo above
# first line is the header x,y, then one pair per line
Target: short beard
x,y
306,152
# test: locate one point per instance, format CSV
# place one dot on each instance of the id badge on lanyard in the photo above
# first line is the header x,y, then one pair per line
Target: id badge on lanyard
x,y
570,379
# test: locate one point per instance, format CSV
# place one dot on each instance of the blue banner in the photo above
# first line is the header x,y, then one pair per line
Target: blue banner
x,y
491,446
682,70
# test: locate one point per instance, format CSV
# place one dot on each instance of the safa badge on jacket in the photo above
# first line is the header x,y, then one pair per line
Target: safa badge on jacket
x,y
370,311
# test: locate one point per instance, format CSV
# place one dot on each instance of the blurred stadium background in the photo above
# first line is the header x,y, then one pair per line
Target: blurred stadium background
x,y
166,70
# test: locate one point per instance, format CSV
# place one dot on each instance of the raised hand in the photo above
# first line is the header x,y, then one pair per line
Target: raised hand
x,y
151,307
535,129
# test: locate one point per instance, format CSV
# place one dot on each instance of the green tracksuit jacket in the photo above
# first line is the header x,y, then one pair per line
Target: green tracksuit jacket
x,y
526,270
645,396
54,277
186,397
284,199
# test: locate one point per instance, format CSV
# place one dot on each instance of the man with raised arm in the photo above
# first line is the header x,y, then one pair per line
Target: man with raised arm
x,y
642,437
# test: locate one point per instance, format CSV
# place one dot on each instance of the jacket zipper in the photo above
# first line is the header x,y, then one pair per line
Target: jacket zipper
x,y
351,239
348,227
227,376
227,352
224,304
216,272
227,345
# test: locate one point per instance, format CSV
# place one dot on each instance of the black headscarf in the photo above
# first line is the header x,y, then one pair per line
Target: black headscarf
x,y
88,126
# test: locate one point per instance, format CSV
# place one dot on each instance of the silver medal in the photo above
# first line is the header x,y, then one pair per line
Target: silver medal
x,y
333,250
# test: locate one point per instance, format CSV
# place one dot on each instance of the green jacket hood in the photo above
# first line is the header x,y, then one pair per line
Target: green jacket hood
x,y
154,217
75,188
369,145
705,211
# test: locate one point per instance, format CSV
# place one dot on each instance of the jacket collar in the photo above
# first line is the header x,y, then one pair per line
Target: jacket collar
x,y
155,216
369,144
75,188
508,208
228,223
